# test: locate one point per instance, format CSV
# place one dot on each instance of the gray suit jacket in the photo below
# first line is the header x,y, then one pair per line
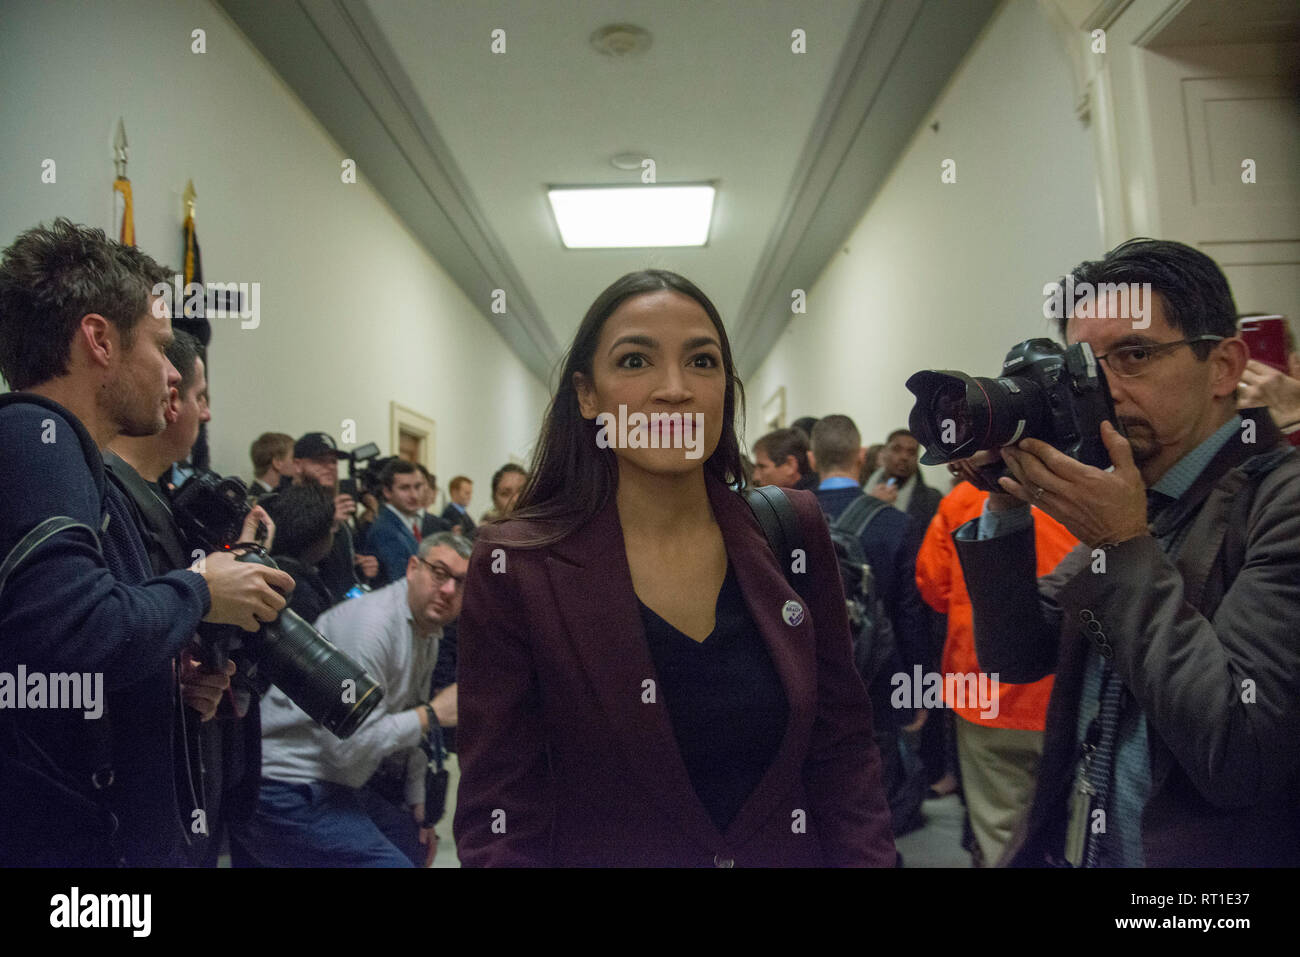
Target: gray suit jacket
x,y
1206,641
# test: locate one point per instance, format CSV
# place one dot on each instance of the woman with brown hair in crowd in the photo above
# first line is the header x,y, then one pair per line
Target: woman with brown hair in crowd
x,y
639,684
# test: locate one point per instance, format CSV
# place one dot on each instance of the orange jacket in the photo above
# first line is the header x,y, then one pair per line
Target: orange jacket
x,y
939,578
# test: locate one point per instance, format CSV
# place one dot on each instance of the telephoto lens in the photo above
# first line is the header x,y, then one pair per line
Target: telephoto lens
x,y
330,687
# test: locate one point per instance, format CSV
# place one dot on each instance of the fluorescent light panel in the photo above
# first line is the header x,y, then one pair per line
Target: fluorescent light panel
x,y
632,216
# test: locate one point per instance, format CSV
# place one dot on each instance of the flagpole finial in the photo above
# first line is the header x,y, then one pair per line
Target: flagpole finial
x,y
189,198
120,151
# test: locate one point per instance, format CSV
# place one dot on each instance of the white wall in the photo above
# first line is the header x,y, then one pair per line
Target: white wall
x,y
942,275
344,286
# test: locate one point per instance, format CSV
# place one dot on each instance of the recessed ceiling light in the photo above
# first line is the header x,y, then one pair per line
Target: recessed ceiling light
x,y
621,39
627,161
604,217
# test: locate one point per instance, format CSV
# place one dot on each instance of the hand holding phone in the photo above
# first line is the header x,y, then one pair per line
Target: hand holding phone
x,y
1266,338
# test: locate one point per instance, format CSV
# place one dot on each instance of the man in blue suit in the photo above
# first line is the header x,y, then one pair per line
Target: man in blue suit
x,y
395,535
461,490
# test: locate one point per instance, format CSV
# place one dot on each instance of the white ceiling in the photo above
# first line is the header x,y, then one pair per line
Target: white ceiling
x,y
719,97
462,142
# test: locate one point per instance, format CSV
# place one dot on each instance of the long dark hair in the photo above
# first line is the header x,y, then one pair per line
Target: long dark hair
x,y
571,477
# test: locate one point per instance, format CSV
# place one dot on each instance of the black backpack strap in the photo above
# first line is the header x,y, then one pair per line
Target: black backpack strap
x,y
780,524
34,539
860,513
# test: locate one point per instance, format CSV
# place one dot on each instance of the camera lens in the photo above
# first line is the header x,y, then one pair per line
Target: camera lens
x,y
328,685
948,404
334,690
957,415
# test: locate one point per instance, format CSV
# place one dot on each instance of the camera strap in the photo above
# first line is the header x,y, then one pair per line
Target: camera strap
x,y
435,775
97,736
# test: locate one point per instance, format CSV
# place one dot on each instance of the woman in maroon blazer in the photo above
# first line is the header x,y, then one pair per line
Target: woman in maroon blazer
x,y
639,685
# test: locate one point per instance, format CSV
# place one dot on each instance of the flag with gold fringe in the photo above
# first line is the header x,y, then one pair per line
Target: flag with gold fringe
x,y
122,186
193,263
127,235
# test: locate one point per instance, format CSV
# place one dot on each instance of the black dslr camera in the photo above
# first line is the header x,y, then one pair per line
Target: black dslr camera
x,y
329,686
1044,392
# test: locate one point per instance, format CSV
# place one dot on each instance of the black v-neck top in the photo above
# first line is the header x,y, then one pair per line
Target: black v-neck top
x,y
725,700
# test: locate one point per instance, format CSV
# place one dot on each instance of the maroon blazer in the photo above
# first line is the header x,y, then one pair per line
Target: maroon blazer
x,y
565,762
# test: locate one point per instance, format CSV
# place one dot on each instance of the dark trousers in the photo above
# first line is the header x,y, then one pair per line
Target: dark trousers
x,y
321,824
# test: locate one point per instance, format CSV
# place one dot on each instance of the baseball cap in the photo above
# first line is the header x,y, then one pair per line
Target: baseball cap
x,y
317,445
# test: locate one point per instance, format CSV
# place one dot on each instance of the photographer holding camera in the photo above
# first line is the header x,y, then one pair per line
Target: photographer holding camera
x,y
316,460
217,761
82,341
1171,729
304,534
316,809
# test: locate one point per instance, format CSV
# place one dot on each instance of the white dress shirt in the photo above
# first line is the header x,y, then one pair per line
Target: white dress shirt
x,y
377,632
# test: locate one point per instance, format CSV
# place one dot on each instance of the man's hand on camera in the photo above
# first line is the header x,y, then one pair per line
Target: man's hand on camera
x,y
202,689
1263,385
1098,507
368,564
446,706
344,507
257,515
243,593
968,469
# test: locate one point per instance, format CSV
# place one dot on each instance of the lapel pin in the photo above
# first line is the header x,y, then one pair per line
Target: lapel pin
x,y
792,612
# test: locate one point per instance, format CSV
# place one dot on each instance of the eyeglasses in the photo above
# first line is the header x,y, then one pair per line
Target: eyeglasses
x,y
442,574
1128,362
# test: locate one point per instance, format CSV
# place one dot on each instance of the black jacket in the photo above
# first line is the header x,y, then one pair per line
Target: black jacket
x,y
338,568
224,755
454,516
924,503
885,545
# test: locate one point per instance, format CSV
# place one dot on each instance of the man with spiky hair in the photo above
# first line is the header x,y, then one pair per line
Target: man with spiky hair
x,y
83,340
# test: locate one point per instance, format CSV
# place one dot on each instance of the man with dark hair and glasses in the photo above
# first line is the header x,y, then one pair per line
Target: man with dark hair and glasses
x,y
319,806
1171,730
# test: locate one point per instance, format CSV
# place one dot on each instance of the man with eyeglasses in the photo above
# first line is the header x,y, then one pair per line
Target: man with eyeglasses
x,y
315,808
1171,630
